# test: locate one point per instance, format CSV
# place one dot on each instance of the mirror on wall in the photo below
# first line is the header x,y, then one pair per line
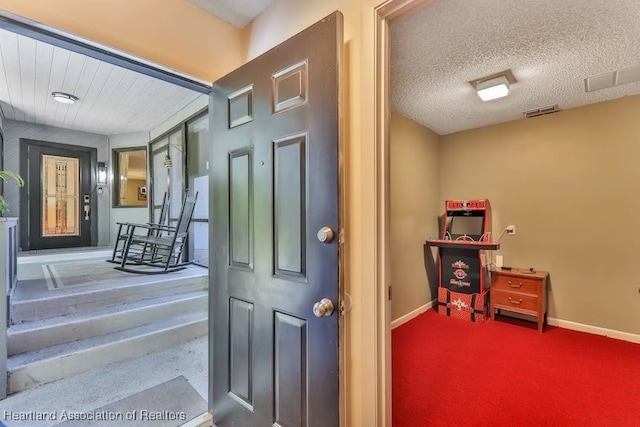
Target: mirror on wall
x,y
130,177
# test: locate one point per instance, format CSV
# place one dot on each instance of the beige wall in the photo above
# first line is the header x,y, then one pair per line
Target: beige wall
x,y
414,210
562,179
570,183
173,33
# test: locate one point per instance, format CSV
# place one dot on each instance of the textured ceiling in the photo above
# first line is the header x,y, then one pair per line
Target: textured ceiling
x,y
112,100
550,45
236,12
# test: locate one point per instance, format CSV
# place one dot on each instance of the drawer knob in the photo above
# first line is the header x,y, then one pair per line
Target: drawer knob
x,y
515,285
514,302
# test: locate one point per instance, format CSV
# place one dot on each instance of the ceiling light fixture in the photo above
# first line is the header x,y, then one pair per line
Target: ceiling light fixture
x,y
494,86
65,98
493,89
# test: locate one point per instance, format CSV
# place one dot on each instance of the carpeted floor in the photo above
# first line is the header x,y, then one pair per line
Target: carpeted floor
x,y
450,372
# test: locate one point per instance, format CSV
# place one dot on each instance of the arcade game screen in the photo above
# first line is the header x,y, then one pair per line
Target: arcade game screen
x,y
471,226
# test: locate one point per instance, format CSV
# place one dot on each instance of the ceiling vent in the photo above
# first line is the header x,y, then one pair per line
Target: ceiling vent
x,y
541,111
612,78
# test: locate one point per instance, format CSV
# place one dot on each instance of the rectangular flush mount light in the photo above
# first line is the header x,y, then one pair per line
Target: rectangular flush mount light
x,y
493,89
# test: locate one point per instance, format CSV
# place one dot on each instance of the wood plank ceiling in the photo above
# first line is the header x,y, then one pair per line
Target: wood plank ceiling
x,y
112,100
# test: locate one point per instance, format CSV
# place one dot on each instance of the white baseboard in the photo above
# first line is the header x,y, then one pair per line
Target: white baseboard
x,y
611,333
415,313
552,321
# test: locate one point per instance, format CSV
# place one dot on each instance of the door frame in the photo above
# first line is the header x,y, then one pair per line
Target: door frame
x,y
184,127
25,215
384,13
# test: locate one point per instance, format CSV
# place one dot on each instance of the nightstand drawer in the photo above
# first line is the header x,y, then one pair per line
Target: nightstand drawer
x,y
518,292
517,284
514,300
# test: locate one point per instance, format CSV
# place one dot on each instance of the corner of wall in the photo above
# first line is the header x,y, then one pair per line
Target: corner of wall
x,y
198,104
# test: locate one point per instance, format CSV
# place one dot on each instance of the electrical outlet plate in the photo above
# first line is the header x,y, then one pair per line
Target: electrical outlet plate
x,y
511,229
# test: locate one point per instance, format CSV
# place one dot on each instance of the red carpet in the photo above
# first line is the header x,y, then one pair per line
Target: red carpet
x,y
449,372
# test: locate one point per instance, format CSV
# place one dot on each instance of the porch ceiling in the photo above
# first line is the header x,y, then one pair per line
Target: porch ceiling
x,y
111,99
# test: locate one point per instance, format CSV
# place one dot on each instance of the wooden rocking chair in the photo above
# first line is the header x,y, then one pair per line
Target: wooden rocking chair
x,y
124,228
160,246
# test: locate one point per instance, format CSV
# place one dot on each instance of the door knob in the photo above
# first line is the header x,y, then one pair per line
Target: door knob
x,y
323,308
325,235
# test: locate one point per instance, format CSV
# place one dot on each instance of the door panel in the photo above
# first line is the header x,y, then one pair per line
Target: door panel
x,y
59,183
274,183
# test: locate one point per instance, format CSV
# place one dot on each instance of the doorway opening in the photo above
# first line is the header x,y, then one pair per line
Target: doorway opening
x,y
58,209
68,303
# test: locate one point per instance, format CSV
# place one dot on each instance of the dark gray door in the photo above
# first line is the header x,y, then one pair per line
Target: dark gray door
x,y
274,184
58,203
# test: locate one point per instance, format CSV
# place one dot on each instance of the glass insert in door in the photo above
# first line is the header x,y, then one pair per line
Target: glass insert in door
x,y
60,196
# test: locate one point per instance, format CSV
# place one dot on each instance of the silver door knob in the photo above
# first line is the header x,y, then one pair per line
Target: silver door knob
x,y
323,308
325,235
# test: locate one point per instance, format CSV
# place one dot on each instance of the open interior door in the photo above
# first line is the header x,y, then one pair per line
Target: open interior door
x,y
274,258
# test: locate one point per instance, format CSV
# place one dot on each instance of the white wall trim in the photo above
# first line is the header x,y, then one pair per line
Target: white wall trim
x,y
412,315
596,330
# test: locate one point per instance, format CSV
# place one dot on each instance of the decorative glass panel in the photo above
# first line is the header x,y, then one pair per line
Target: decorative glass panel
x,y
60,198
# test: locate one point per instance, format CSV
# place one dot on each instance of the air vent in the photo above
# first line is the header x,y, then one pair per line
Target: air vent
x,y
612,78
541,111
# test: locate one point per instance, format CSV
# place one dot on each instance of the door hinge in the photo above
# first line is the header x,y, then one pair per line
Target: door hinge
x,y
389,293
345,304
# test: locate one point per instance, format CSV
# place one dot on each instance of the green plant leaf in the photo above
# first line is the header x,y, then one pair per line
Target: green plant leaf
x,y
7,175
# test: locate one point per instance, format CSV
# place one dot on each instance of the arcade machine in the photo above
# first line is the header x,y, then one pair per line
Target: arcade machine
x,y
463,274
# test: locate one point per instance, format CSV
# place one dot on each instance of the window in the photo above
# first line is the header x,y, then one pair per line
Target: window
x,y
130,177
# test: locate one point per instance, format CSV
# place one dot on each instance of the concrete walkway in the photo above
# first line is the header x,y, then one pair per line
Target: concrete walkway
x,y
89,391
92,390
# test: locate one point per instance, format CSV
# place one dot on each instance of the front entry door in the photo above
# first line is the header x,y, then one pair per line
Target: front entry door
x,y
59,205
274,251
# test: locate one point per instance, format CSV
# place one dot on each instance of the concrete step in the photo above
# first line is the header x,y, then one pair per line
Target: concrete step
x,y
44,333
30,369
86,299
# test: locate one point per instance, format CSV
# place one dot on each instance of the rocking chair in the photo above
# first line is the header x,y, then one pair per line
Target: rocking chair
x,y
160,247
124,228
